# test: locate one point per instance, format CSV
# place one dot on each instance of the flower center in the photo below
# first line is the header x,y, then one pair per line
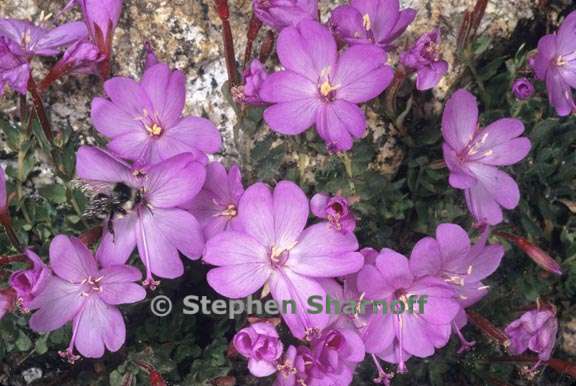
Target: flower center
x,y
326,88
91,285
155,130
431,51
366,22
230,212
286,368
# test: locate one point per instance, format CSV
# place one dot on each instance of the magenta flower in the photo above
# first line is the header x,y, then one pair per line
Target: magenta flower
x,y
81,57
216,206
144,119
472,155
555,63
154,221
377,22
424,57
28,283
260,344
522,89
279,14
81,292
272,247
7,301
334,209
451,257
101,18
536,331
14,69
254,77
321,87
331,359
394,337
38,41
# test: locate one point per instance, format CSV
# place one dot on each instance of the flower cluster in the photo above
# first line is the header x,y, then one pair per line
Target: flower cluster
x,y
166,196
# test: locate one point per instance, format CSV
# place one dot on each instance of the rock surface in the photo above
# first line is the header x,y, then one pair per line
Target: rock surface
x,y
187,35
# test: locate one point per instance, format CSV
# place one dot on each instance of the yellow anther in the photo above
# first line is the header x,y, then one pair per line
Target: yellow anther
x,y
154,130
366,22
326,88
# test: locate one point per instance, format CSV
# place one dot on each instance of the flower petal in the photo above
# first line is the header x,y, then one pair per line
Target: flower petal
x,y
96,164
181,229
287,288
394,268
231,248
60,36
167,92
197,132
459,119
426,258
453,241
111,121
256,213
566,41
98,325
292,117
156,252
500,185
362,73
482,205
307,49
116,249
128,95
118,287
290,213
71,260
287,86
57,304
339,121
174,182
238,280
559,93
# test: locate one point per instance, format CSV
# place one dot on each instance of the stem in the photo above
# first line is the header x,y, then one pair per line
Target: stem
x,y
253,29
12,259
40,110
7,222
224,15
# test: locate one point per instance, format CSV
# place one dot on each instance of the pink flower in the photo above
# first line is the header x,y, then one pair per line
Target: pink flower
x,y
472,155
144,119
154,221
522,89
33,40
334,209
279,14
254,77
555,63
536,331
424,57
81,292
395,336
272,247
14,69
260,344
377,22
101,18
28,283
216,206
321,87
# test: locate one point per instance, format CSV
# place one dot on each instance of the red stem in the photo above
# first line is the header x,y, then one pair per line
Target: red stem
x,y
267,46
224,15
12,259
253,29
488,328
39,108
6,221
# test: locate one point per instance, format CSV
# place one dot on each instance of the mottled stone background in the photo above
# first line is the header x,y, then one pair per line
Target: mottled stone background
x,y
186,34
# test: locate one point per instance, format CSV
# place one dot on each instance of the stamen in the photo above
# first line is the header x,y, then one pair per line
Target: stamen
x,y
366,22
154,130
